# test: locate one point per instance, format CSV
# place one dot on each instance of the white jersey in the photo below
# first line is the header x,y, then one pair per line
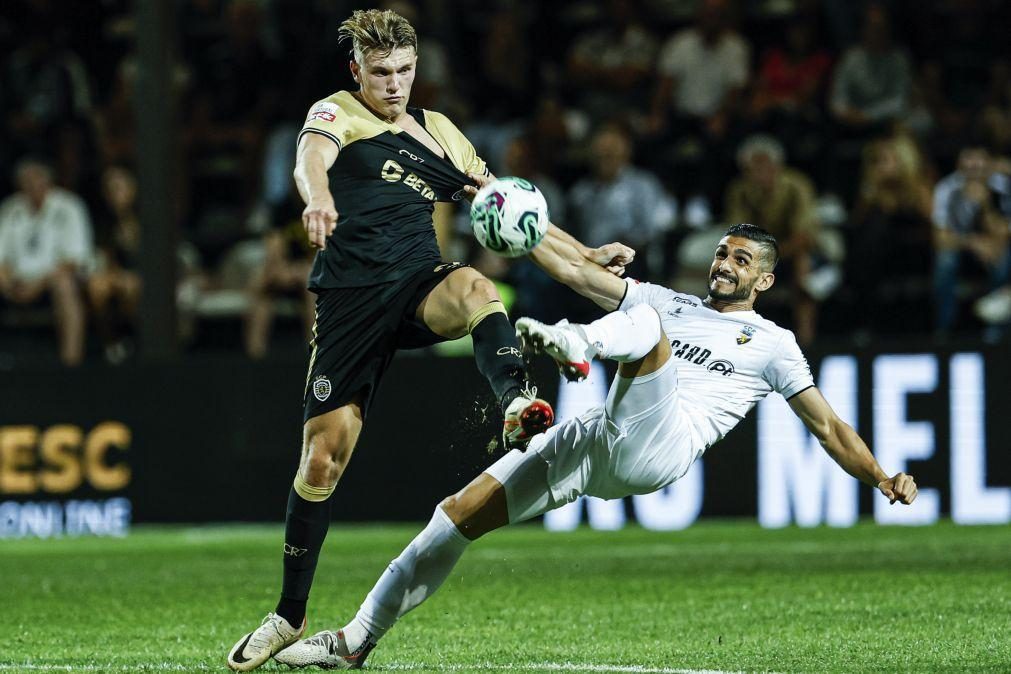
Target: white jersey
x,y
726,361
652,428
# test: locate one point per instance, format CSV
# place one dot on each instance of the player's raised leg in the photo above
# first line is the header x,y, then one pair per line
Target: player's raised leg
x,y
327,444
466,302
482,506
625,336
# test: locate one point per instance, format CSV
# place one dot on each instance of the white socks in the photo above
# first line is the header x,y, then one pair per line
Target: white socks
x,y
409,580
625,336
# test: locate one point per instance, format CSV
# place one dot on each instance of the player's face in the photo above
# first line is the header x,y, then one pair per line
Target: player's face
x,y
738,270
386,80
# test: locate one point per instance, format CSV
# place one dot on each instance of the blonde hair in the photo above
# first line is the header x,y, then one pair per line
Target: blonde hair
x,y
376,30
904,185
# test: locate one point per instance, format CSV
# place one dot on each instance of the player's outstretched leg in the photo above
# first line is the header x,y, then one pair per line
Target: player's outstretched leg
x,y
499,360
410,579
518,492
624,336
329,440
466,302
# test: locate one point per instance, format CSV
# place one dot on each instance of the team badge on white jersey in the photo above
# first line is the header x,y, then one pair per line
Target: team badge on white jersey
x,y
321,387
718,381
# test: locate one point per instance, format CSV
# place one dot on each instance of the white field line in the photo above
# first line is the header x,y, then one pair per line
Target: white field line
x,y
476,667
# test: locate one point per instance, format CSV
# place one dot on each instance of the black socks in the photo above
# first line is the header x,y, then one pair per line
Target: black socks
x,y
305,529
498,356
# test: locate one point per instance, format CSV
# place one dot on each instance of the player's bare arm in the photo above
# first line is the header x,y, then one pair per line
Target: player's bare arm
x,y
566,259
583,269
847,448
316,154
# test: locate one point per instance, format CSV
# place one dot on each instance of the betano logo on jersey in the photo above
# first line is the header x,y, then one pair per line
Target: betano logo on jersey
x,y
393,172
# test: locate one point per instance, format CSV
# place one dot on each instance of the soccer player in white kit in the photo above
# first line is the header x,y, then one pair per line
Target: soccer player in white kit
x,y
690,370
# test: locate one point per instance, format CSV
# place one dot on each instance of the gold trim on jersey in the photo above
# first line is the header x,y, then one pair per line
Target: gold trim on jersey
x,y
458,149
312,358
353,121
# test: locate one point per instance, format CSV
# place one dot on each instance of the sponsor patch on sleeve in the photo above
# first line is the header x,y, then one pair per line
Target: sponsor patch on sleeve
x,y
324,111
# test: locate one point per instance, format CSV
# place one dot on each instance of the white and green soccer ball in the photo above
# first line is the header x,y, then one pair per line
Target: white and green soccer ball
x,y
509,216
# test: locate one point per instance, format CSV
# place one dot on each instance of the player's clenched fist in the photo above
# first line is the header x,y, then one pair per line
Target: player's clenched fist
x,y
613,256
901,488
319,219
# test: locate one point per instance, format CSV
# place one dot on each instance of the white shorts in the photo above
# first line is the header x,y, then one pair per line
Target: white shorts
x,y
637,443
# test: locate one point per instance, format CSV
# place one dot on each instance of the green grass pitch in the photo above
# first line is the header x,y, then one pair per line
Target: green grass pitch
x,y
721,596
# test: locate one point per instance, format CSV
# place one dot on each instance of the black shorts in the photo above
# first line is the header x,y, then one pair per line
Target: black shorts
x,y
357,332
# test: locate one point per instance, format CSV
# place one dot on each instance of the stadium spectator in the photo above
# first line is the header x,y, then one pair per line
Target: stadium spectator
x,y
781,200
536,293
891,231
46,100
114,285
284,274
996,113
508,72
233,97
972,207
610,65
114,119
786,99
435,72
45,246
872,81
621,202
703,71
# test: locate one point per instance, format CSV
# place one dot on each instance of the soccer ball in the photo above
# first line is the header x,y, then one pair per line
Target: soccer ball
x,y
509,216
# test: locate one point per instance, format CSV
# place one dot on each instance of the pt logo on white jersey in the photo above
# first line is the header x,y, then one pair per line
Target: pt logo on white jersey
x,y
724,367
321,387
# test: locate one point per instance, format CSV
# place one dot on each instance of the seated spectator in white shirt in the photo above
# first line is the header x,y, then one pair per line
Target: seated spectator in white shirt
x,y
45,245
703,70
610,64
621,202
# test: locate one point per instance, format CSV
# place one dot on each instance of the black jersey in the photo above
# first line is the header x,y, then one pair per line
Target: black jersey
x,y
385,184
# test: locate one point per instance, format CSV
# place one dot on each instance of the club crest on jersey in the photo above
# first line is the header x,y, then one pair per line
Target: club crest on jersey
x,y
321,387
747,332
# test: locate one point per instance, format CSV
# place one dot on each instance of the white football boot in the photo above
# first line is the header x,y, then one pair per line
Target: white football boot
x,y
254,649
526,416
563,341
326,650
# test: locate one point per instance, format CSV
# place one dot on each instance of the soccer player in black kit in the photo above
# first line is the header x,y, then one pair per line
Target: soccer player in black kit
x,y
370,170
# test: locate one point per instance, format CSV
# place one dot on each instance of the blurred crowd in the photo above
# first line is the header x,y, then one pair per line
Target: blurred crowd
x,y
872,138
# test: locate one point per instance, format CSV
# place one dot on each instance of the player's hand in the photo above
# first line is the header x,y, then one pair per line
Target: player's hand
x,y
901,488
612,256
319,219
470,191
